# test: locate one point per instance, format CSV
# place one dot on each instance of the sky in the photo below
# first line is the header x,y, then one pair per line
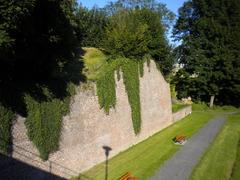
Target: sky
x,y
173,5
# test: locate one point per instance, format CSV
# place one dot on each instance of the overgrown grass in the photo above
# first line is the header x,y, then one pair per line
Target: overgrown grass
x,y
236,168
218,161
6,116
95,62
177,107
146,157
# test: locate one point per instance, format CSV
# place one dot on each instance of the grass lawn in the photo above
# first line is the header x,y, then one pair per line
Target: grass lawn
x,y
143,159
221,161
176,107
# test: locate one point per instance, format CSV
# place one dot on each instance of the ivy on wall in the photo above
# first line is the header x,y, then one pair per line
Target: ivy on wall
x,y
106,91
106,87
44,121
131,81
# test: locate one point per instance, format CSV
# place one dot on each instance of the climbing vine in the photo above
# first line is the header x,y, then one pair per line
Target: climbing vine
x,y
44,120
106,90
131,81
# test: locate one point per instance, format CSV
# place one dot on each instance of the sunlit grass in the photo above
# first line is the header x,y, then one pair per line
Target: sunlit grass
x,y
94,62
143,159
218,161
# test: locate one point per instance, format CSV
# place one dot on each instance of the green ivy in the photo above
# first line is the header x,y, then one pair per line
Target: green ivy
x,y
131,81
106,91
106,88
44,121
6,116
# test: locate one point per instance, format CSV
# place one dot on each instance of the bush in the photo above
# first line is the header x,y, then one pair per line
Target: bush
x,y
6,116
200,106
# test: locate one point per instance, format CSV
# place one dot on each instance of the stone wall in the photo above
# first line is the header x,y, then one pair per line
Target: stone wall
x,y
86,129
182,113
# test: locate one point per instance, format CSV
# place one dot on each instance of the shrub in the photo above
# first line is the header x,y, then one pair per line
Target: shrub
x,y
199,106
6,116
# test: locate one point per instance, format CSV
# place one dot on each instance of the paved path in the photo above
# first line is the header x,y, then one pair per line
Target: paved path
x,y
180,166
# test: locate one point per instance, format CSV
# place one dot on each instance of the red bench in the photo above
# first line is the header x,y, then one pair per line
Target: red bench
x,y
179,138
128,176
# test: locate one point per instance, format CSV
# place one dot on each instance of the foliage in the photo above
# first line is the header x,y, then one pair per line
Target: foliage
x,y
106,91
126,36
135,29
150,154
90,26
38,52
6,117
209,52
167,17
218,161
199,106
106,88
130,71
44,122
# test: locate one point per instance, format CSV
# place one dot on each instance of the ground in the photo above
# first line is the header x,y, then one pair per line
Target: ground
x,y
146,158
143,159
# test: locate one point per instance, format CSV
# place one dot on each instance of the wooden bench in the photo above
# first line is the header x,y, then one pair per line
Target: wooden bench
x,y
128,176
180,138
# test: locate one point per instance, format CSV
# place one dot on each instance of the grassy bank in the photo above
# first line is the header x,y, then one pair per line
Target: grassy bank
x,y
177,107
143,159
221,156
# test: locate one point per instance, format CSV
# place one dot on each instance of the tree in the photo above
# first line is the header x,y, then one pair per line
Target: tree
x,y
205,29
37,42
91,26
134,31
126,35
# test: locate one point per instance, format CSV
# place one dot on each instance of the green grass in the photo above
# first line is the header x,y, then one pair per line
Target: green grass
x,y
236,167
143,159
219,160
177,107
94,61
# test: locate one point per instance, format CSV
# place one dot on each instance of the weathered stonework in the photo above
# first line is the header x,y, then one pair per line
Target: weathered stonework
x,y
182,113
86,129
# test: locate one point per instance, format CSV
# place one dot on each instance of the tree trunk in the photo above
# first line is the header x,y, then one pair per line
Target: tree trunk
x,y
212,101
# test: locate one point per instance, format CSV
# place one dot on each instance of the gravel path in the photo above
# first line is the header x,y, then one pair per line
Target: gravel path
x,y
180,166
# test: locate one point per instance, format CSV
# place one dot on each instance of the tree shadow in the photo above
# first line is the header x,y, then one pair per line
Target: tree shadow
x,y
45,54
12,169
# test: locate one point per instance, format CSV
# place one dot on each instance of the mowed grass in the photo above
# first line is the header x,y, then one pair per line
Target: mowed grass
x,y
143,159
221,162
94,61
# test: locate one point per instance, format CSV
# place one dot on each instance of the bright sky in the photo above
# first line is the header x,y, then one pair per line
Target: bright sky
x,y
173,5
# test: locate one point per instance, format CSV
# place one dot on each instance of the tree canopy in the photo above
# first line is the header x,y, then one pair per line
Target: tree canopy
x,y
209,52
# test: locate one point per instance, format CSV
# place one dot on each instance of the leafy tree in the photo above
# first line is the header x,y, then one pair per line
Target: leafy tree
x,y
126,35
37,42
208,51
90,26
